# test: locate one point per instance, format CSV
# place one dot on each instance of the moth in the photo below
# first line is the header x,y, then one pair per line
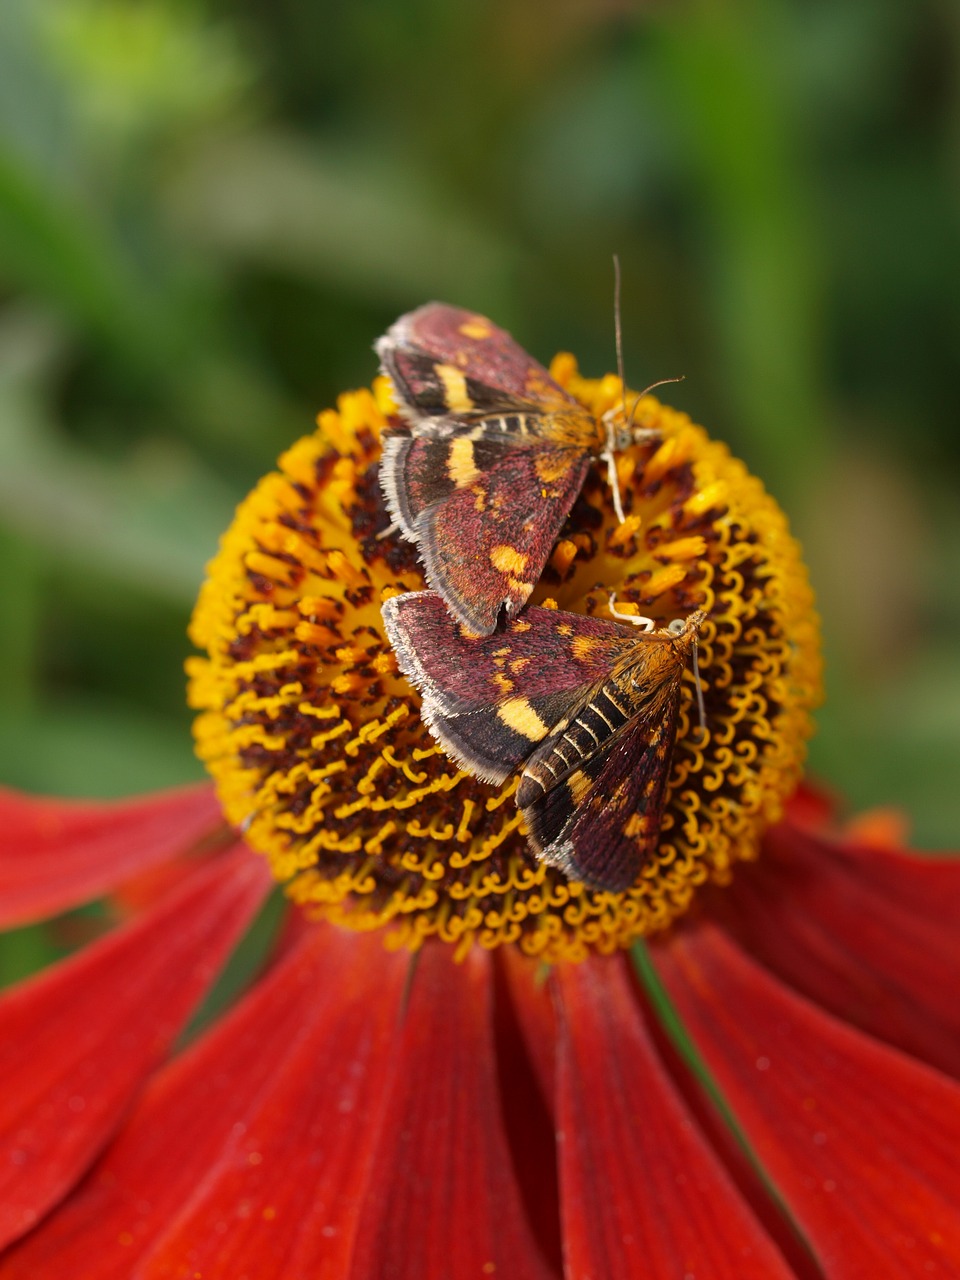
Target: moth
x,y
492,461
587,706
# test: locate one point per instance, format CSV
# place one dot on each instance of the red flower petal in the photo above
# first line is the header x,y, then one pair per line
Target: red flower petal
x,y
930,885
77,1041
442,1200
525,1035
283,1197
812,807
55,854
248,1155
881,828
642,1193
861,1140
537,1017
872,936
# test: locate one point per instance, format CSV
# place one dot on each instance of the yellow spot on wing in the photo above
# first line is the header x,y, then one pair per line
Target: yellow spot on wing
x,y
461,467
583,646
508,559
455,388
552,465
503,683
477,328
636,825
579,786
520,715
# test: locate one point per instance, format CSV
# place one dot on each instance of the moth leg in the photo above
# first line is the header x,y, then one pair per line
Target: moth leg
x,y
636,620
609,456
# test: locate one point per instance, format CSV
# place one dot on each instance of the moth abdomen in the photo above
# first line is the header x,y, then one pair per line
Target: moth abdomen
x,y
572,742
606,712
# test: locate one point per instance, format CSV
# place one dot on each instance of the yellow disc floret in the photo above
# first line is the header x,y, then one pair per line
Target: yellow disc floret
x,y
316,743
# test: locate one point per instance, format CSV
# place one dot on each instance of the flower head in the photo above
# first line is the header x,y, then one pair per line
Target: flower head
x,y
316,741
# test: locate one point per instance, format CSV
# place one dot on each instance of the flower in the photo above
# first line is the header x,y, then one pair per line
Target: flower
x,y
766,1090
317,746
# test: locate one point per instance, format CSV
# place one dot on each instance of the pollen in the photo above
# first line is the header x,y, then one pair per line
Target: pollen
x,y
316,742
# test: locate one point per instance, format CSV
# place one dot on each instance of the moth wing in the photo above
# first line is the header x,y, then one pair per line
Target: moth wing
x,y
600,822
496,455
444,361
417,471
489,700
485,546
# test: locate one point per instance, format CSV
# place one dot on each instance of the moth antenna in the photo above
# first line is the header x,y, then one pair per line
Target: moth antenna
x,y
609,453
246,822
701,708
635,619
618,332
648,433
385,533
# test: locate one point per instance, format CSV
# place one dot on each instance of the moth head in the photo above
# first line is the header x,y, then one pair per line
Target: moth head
x,y
689,626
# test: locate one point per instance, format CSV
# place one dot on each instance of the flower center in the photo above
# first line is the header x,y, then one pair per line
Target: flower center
x,y
315,740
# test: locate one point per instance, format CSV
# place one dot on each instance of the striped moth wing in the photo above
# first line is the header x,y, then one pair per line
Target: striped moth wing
x,y
490,700
588,707
494,455
598,819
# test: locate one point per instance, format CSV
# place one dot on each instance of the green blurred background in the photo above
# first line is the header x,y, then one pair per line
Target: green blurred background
x,y
208,211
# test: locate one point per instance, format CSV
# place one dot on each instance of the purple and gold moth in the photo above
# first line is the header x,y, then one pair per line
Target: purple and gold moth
x,y
493,458
587,706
